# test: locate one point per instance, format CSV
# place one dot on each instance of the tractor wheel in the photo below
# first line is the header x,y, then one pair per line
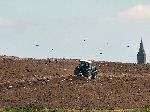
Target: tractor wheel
x,y
77,71
94,76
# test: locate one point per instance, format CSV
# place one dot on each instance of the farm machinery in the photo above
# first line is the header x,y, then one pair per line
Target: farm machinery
x,y
86,69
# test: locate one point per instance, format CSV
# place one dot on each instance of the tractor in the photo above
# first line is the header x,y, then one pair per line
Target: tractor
x,y
86,69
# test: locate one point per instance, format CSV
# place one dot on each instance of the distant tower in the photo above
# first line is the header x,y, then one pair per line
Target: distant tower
x,y
141,56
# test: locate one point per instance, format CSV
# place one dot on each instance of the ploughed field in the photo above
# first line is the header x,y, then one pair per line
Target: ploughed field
x,y
50,83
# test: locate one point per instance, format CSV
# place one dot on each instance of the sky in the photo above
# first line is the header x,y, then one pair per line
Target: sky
x,y
78,29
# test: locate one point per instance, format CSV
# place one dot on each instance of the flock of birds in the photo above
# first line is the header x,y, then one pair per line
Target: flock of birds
x,y
37,45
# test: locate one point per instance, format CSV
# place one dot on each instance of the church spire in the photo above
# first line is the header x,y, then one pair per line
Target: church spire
x,y
141,46
141,56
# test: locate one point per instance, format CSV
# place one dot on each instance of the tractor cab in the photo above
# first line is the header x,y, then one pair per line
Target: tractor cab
x,y
85,64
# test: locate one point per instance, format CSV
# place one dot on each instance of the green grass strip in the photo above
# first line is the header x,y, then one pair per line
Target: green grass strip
x,y
143,109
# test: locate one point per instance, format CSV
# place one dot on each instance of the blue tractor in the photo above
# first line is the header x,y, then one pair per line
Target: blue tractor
x,y
86,69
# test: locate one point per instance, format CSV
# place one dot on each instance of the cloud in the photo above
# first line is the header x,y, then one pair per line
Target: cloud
x,y
14,23
136,12
6,22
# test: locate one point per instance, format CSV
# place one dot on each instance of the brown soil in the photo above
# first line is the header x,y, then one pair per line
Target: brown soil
x,y
51,83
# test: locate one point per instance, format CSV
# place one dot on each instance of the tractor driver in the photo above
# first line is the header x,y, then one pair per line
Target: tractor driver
x,y
87,65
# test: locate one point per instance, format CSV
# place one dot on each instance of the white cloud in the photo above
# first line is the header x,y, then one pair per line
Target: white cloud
x,y
136,12
6,22
14,23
